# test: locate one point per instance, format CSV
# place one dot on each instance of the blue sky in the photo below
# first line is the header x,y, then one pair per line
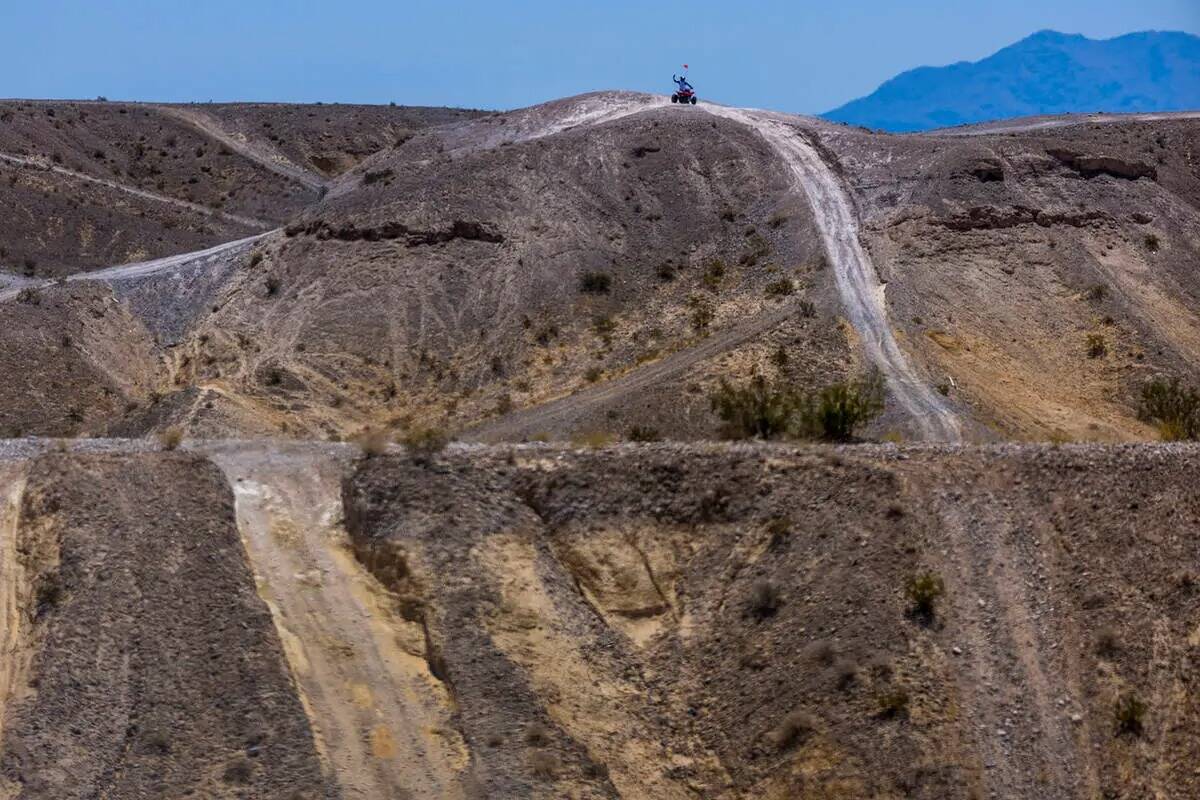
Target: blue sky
x,y
798,56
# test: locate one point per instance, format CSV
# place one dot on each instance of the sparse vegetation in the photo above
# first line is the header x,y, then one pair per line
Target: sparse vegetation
x,y
544,765
424,443
714,273
1097,292
806,309
923,592
762,410
170,438
272,286
1174,408
702,313
893,704
665,272
372,442
595,283
780,288
641,433
593,374
777,220
1152,243
1130,715
536,735
792,730
1107,643
1097,345
764,599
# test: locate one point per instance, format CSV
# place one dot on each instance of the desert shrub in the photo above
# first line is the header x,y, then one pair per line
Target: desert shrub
x,y
1175,409
376,176
764,599
1152,243
595,283
239,771
792,730
837,411
642,433
272,286
1107,643
255,259
780,288
170,438
1097,346
762,410
923,592
845,673
702,313
544,765
780,530
424,443
546,334
1097,292
806,309
372,442
29,296
536,735
756,409
593,374
893,704
1130,714
593,440
777,220
665,272
713,273
603,326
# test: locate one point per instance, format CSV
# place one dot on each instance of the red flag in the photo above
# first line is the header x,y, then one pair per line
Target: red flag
x,y
685,66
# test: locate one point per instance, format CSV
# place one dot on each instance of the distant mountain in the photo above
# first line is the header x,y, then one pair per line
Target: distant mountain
x,y
1047,73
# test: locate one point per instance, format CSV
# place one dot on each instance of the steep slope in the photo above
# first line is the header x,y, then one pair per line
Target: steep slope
x,y
734,622
1047,274
1047,73
146,665
92,184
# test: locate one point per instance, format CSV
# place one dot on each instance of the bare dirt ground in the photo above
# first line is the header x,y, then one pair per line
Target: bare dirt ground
x,y
381,718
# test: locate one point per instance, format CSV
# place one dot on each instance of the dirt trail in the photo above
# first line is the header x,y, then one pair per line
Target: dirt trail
x,y
858,283
529,422
1015,682
258,152
1038,124
13,588
142,268
40,164
381,719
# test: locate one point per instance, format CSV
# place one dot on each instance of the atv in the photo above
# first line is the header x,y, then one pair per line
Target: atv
x,y
685,96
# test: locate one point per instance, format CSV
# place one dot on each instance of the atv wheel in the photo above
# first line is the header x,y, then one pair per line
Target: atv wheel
x,y
693,100
674,98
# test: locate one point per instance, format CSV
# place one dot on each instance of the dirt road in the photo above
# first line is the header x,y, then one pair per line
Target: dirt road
x,y
381,719
258,152
858,283
40,164
529,422
141,268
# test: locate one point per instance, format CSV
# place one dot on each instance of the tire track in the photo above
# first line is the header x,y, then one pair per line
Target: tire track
x,y
858,283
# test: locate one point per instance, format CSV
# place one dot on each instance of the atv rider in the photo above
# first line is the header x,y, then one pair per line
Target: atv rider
x,y
684,86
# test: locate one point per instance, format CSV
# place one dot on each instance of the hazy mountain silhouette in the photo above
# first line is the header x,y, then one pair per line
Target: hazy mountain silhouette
x,y
1047,73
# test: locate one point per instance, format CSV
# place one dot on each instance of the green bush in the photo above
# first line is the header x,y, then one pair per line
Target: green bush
x,y
1130,713
595,283
765,411
1174,408
923,592
835,412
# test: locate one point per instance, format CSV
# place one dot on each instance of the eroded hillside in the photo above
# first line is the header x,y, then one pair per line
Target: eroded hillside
x,y
593,267
727,621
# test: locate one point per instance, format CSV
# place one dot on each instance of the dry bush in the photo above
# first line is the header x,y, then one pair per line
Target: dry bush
x,y
536,735
1130,714
424,443
780,288
923,592
544,765
170,438
893,704
595,283
372,442
764,599
792,730
1174,408
643,433
760,409
845,673
1097,345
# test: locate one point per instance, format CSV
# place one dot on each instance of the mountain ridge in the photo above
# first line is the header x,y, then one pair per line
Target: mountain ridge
x,y
1047,72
